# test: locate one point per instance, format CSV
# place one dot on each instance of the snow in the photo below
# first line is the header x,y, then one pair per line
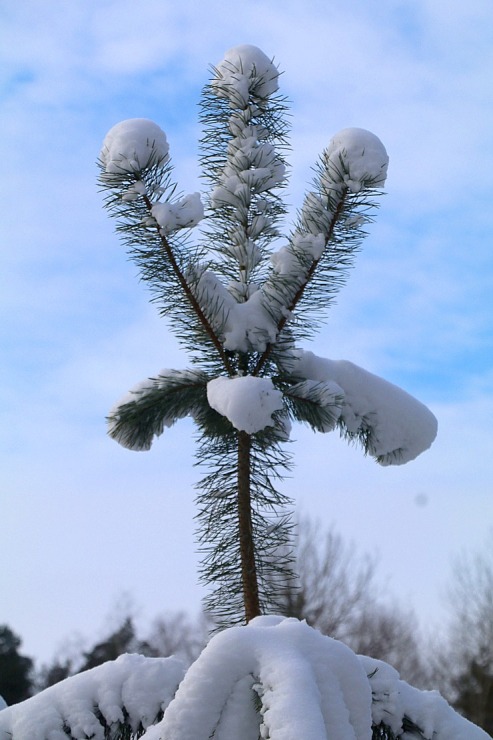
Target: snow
x,y
360,155
275,678
184,213
252,168
131,685
396,426
242,326
295,259
249,326
133,145
134,192
245,71
310,686
247,401
394,699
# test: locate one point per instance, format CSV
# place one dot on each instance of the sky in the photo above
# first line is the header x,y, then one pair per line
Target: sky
x,y
88,526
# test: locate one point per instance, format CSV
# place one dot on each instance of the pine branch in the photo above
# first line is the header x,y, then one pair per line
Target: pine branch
x,y
318,404
190,296
150,227
242,157
300,291
155,404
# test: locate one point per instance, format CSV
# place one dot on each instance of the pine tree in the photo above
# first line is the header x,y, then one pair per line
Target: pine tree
x,y
240,308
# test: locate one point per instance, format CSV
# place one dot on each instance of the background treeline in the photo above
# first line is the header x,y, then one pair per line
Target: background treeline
x,y
338,593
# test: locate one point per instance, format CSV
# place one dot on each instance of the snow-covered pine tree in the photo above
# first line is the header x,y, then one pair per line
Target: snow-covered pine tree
x,y
240,308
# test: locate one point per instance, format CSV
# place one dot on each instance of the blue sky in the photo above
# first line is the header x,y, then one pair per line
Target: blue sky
x,y
84,520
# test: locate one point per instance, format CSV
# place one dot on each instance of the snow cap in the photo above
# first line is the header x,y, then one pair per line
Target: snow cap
x,y
133,145
362,155
244,71
247,401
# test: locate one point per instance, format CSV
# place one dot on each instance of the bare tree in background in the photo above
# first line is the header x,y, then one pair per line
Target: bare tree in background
x,y
335,585
337,592
390,632
176,633
465,671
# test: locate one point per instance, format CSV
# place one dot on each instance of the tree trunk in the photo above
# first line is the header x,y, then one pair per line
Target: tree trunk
x,y
247,549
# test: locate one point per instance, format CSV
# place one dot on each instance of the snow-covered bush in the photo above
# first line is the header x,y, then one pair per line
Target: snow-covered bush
x,y
275,678
118,699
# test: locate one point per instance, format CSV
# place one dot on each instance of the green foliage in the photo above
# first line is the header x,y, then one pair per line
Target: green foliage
x,y
410,731
217,506
158,403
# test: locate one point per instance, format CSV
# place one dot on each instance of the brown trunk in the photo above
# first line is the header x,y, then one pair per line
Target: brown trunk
x,y
247,550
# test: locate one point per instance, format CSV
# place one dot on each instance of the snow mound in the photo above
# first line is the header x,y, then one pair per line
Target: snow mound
x,y
133,145
247,401
362,157
275,678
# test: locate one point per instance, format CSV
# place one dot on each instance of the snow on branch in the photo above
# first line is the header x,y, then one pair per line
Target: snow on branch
x,y
131,150
120,698
276,678
359,156
183,214
309,270
392,425
244,73
156,403
400,706
134,145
